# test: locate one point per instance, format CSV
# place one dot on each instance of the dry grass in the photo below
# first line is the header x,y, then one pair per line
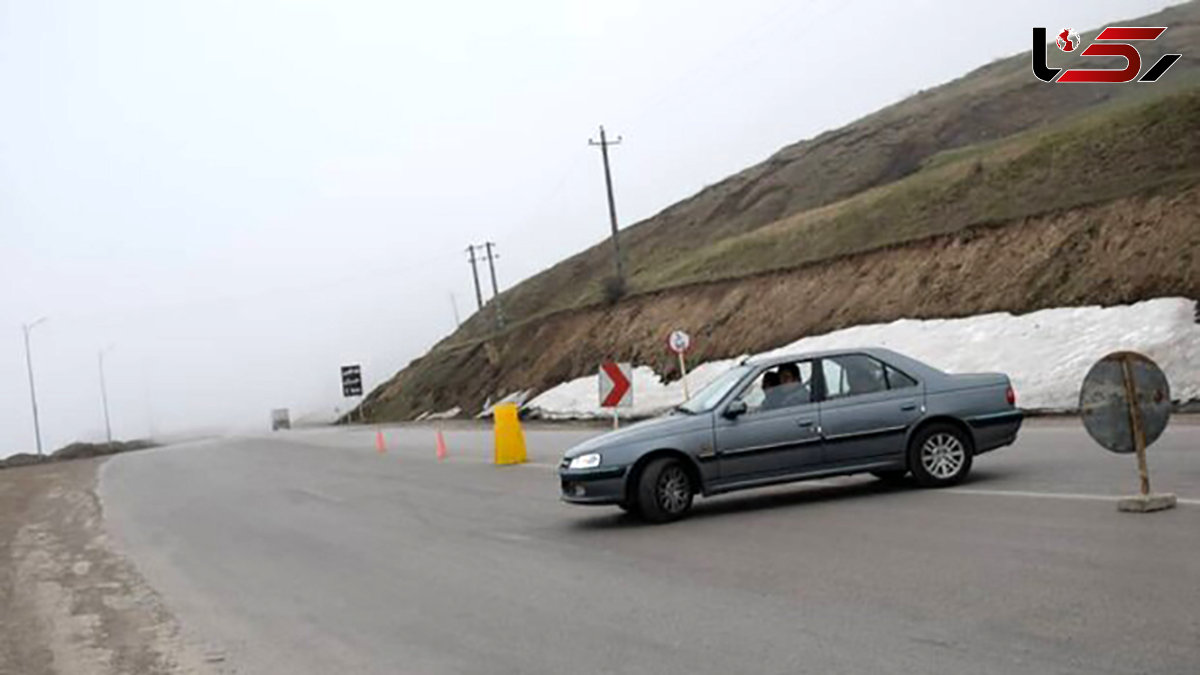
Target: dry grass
x,y
1102,158
820,190
993,147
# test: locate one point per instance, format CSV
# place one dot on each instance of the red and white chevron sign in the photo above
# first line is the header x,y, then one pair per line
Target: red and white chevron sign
x,y
616,385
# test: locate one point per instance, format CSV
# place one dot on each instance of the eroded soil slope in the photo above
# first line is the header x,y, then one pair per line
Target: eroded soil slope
x,y
995,102
1127,250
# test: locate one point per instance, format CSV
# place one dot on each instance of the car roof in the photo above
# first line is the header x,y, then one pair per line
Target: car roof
x,y
896,359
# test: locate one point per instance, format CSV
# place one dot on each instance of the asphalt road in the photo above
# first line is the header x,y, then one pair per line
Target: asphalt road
x,y
309,552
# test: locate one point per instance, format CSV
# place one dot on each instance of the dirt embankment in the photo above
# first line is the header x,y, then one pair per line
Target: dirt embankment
x,y
1124,251
68,604
1103,143
77,450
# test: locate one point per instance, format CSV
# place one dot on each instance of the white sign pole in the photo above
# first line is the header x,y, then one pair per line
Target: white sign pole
x,y
616,388
683,370
679,342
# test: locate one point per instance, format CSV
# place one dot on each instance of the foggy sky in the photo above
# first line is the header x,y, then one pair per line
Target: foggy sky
x,y
238,197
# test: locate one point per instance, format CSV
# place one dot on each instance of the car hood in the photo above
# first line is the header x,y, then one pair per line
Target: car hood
x,y
639,432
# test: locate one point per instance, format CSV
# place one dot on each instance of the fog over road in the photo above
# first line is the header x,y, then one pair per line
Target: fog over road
x,y
308,552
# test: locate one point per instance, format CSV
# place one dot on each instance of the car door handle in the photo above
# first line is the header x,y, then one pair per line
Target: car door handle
x,y
908,406
804,424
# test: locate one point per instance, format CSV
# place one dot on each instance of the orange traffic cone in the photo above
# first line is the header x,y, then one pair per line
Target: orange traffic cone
x,y
441,446
380,445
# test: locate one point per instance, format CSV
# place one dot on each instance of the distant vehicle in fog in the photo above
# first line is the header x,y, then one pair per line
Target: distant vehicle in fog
x,y
789,418
280,419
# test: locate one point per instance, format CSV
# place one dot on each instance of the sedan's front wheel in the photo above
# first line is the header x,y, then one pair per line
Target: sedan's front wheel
x,y
940,455
664,490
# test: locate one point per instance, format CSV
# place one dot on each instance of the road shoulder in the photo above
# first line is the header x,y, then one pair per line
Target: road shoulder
x,y
71,604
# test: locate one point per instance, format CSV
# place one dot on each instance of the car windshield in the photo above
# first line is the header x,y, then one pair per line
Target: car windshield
x,y
707,398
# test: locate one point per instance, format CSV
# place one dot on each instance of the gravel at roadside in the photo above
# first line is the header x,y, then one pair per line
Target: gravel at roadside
x,y
70,605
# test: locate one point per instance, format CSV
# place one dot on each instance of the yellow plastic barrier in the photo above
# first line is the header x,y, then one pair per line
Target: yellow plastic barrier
x,y
510,439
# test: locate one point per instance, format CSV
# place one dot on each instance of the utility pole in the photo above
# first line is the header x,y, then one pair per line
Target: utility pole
x,y
104,394
495,287
612,207
150,430
454,306
475,275
37,430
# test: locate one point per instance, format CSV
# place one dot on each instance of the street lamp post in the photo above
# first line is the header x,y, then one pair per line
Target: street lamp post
x,y
104,394
37,431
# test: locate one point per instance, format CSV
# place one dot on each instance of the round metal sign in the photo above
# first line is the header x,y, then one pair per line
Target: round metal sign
x,y
1104,400
679,341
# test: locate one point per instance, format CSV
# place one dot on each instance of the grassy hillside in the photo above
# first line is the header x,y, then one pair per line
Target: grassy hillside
x,y
1100,158
989,104
994,149
1126,250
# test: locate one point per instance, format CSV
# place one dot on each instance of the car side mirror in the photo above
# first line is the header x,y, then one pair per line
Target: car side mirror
x,y
735,410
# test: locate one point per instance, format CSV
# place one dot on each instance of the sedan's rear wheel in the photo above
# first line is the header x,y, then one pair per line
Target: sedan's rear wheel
x,y
940,455
664,490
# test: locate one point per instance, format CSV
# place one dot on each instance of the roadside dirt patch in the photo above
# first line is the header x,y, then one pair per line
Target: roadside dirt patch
x,y
75,450
70,605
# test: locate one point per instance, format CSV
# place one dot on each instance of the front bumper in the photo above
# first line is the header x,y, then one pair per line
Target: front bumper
x,y
602,485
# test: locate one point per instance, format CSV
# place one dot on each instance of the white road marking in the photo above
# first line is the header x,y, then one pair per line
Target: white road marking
x,y
1051,495
319,496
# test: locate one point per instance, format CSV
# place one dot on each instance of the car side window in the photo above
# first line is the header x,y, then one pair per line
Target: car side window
x,y
753,395
782,386
898,380
852,375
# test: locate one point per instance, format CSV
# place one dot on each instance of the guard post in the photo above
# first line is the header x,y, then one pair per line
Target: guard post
x,y
509,437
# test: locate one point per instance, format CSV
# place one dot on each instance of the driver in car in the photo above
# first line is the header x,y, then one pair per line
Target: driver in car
x,y
772,397
791,390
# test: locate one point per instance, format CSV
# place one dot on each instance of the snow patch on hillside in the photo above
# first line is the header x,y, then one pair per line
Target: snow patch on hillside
x,y
517,397
443,415
1046,353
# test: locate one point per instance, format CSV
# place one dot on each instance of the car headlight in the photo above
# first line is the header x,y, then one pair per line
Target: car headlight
x,y
588,461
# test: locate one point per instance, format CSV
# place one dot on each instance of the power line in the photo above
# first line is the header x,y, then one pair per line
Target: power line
x,y
475,275
491,257
612,207
454,306
104,395
37,429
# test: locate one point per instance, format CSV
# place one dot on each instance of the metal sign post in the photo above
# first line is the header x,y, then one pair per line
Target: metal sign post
x,y
1135,424
680,342
1125,402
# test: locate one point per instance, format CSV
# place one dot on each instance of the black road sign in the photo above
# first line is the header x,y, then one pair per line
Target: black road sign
x,y
352,381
